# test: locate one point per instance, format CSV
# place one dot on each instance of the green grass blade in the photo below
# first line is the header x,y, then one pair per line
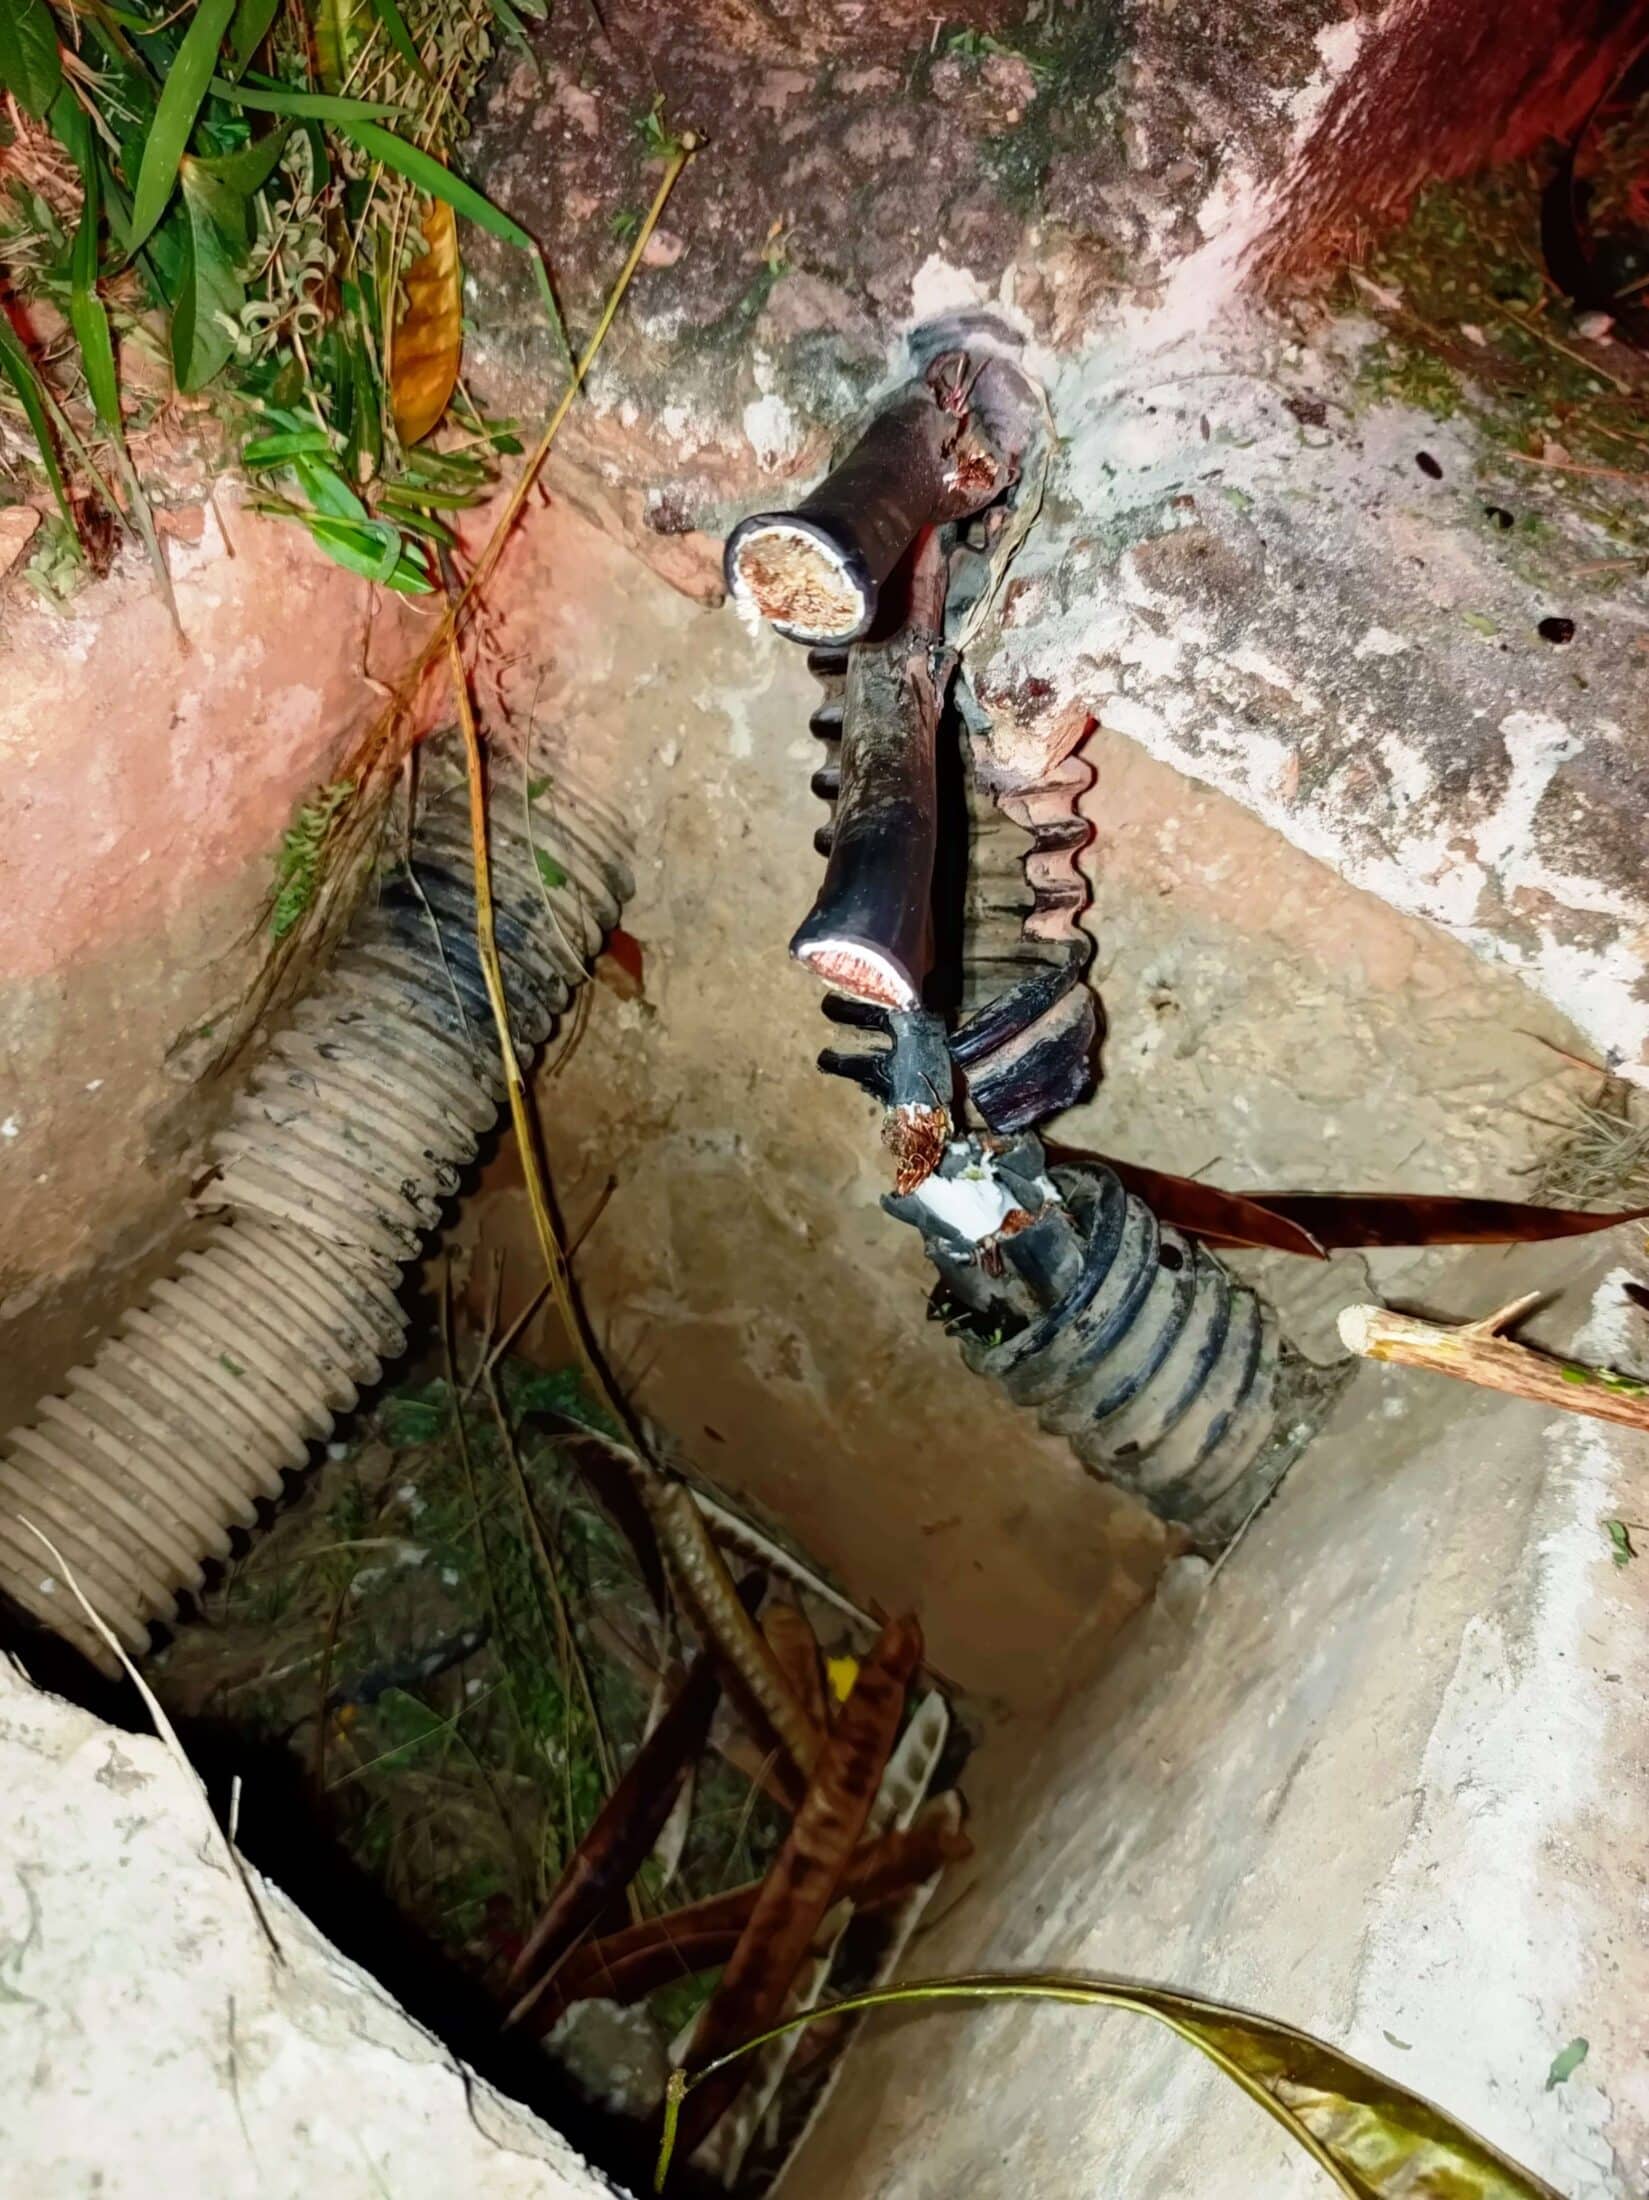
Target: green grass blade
x,y
88,316
349,114
31,67
89,319
180,98
395,30
437,182
20,371
513,27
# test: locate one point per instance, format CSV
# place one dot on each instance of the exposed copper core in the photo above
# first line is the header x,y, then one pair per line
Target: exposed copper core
x,y
794,580
860,976
916,1138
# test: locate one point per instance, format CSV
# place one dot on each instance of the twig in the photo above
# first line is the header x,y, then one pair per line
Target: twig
x,y
1545,336
1579,1061
521,1115
496,1351
167,1733
1573,466
1476,1352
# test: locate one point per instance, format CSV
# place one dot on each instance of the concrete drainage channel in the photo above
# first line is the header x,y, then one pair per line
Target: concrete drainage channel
x,y
1122,1336
192,1420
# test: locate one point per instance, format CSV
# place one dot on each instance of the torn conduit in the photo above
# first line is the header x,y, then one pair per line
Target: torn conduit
x,y
329,1176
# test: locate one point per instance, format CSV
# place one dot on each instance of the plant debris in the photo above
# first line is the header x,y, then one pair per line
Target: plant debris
x,y
454,1708
1566,2062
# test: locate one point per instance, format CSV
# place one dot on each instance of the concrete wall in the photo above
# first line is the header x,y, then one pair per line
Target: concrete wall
x,y
1385,1777
144,786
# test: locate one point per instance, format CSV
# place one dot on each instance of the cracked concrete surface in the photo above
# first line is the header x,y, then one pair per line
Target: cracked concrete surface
x,y
149,2041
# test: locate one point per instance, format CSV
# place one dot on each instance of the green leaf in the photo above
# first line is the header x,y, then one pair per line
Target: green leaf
x,y
175,112
89,319
431,529
549,870
31,67
19,370
249,30
328,491
1620,1536
1567,2061
244,173
209,297
275,450
368,547
87,315
538,788
513,27
364,449
425,496
338,35
315,106
410,578
450,463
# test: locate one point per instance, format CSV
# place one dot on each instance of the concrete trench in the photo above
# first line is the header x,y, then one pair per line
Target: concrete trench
x,y
1384,1773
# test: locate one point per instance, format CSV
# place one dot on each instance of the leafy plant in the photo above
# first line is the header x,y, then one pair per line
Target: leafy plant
x,y
272,185
974,47
655,133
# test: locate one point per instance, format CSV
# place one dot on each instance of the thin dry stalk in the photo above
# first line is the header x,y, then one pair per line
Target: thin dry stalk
x,y
168,1735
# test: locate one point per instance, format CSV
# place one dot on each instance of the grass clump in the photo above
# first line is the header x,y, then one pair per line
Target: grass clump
x,y
1473,327
394,1630
299,858
1601,1158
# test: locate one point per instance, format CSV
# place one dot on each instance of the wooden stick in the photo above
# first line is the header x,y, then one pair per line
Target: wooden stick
x,y
1476,1352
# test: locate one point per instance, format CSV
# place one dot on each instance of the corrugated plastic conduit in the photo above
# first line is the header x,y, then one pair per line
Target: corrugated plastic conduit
x,y
329,1175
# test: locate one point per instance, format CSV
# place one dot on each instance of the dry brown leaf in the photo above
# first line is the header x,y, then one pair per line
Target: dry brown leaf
x,y
1374,2139
628,1964
792,1642
429,332
806,1875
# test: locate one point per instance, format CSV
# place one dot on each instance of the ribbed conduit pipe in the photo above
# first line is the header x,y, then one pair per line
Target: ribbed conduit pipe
x,y
1141,1348
329,1176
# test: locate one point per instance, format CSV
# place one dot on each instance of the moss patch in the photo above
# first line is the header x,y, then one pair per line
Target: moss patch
x,y
1073,54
